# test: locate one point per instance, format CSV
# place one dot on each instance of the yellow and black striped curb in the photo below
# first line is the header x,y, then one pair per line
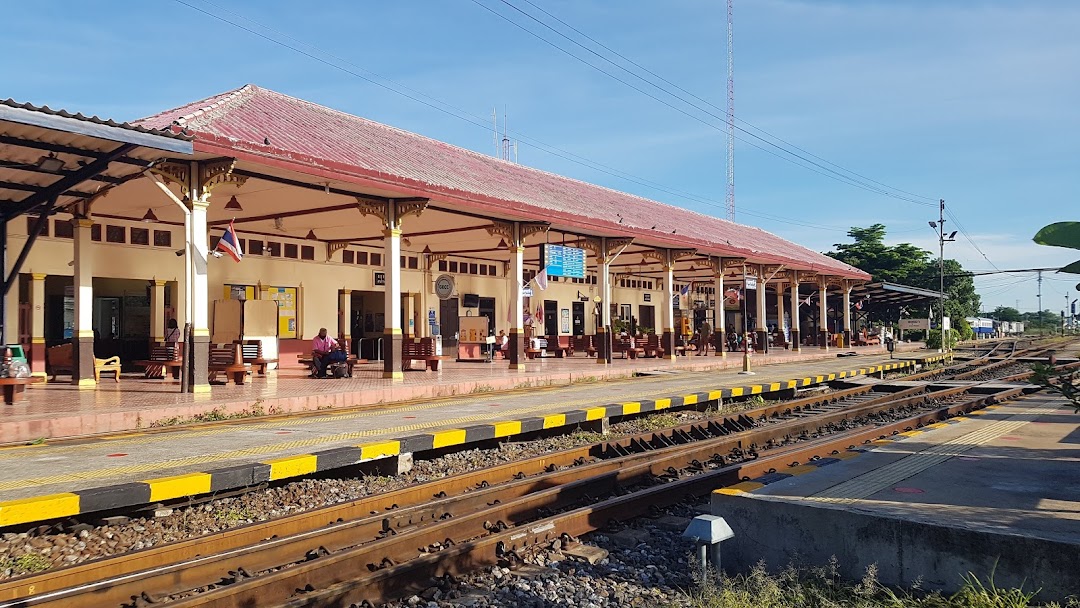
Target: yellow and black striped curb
x,y
68,504
749,486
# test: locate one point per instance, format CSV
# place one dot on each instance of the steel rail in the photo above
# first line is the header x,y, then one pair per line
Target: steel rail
x,y
346,579
502,509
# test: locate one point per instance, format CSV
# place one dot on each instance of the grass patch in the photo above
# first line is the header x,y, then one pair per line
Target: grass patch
x,y
823,588
215,415
28,563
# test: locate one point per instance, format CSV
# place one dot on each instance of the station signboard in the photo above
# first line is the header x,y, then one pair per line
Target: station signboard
x,y
561,261
914,323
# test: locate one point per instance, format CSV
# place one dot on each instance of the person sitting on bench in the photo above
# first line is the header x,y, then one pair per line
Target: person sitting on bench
x,y
321,348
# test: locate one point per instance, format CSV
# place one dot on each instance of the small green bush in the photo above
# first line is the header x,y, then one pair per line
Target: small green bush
x,y
933,340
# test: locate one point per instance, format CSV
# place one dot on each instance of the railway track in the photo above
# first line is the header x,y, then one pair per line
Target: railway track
x,y
386,545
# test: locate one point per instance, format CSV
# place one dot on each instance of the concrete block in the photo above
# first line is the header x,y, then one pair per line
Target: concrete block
x,y
394,465
602,426
672,523
589,553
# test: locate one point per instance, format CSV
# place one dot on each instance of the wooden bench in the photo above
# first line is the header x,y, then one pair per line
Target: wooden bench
x,y
162,357
560,346
227,360
252,353
419,349
625,346
61,358
653,347
584,344
14,388
350,363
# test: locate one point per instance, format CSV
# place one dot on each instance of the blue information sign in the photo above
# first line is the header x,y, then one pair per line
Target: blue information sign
x,y
563,261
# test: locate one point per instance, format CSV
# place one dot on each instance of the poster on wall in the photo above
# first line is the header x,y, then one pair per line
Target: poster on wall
x,y
286,301
565,321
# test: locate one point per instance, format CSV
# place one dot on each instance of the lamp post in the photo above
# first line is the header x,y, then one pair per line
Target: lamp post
x,y
942,239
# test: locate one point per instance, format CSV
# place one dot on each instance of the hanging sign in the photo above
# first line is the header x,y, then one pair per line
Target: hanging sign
x,y
560,261
751,282
444,286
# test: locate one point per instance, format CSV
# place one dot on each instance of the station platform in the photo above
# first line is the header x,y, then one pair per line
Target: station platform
x,y
994,492
58,409
58,479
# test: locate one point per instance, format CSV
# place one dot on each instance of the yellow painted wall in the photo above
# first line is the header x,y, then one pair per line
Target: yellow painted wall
x,y
318,281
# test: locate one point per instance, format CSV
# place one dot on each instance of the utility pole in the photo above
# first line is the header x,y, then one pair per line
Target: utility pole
x,y
1040,304
942,239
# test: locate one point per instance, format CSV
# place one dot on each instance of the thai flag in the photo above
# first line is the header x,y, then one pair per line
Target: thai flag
x,y
230,244
686,288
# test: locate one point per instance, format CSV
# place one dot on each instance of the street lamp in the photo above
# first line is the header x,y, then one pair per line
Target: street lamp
x,y
942,239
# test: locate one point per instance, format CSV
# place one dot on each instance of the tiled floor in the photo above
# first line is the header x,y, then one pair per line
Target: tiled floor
x,y
135,457
58,409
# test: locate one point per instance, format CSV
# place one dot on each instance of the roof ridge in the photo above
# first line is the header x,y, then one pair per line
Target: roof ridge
x,y
246,89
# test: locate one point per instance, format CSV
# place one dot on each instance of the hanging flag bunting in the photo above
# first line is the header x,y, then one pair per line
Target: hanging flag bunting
x,y
541,279
230,244
858,305
539,313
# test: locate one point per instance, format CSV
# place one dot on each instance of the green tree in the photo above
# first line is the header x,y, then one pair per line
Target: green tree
x,y
1005,313
908,265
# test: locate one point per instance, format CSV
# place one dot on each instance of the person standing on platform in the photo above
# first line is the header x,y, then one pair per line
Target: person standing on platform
x,y
321,347
705,333
172,334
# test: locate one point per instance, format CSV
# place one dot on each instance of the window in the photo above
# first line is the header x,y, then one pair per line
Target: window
x,y
255,247
63,229
348,257
291,251
95,233
274,249
163,238
453,266
31,220
403,261
140,236
115,234
376,259
414,263
624,312
443,266
473,269
491,270
361,257
483,270
307,252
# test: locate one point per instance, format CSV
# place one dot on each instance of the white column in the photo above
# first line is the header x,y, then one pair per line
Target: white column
x,y
345,314
823,313
780,308
718,322
668,308
516,338
37,325
603,350
157,311
847,314
796,337
82,373
392,335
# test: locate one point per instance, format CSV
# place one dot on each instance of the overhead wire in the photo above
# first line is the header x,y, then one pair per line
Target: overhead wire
x,y
464,115
821,169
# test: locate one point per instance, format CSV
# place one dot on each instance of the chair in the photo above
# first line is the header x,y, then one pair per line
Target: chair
x,y
108,366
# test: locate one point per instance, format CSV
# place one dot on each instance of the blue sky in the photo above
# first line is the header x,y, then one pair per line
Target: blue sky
x,y
974,102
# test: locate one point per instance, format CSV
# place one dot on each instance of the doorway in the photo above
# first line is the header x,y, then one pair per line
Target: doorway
x,y
578,318
487,309
551,318
448,321
648,316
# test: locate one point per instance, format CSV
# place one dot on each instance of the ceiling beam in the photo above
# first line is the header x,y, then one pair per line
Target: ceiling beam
x,y
54,190
50,147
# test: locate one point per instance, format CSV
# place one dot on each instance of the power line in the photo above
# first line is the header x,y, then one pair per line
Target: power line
x,y
825,171
708,103
472,119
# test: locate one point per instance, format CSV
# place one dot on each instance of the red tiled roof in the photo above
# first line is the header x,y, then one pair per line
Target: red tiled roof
x,y
304,135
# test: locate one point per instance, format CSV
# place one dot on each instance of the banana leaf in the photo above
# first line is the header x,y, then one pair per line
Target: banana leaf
x,y
1073,268
1060,234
